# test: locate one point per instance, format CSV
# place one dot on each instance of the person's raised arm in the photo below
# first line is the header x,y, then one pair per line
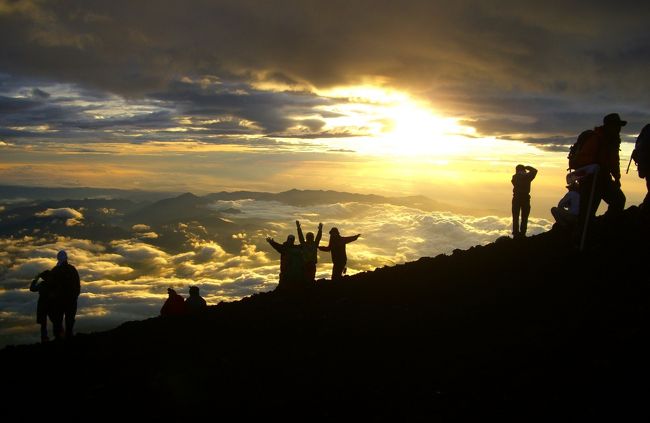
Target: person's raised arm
x,y
301,237
319,235
35,285
532,172
347,239
274,244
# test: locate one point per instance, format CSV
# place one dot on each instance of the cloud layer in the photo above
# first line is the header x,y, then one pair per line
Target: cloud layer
x,y
520,69
126,279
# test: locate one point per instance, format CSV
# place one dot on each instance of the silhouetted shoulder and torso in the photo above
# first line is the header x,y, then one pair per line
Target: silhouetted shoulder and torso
x,y
173,306
64,279
46,293
195,304
337,247
601,149
521,183
291,263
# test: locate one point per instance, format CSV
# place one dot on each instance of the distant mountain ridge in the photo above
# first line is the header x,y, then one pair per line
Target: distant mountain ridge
x,y
520,330
292,197
18,192
107,217
297,197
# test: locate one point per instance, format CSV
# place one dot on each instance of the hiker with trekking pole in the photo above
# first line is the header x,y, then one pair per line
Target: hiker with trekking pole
x,y
595,158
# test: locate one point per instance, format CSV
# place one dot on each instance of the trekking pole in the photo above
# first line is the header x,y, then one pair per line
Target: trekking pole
x,y
628,165
588,217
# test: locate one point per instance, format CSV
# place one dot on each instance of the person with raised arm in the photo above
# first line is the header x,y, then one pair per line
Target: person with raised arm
x,y
309,246
336,247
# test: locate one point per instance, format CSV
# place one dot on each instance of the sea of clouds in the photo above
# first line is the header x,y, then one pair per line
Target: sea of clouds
x,y
126,279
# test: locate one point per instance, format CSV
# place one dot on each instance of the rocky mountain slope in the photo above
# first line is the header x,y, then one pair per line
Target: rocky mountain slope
x,y
519,329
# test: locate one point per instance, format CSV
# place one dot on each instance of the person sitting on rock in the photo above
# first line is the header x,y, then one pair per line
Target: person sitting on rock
x,y
195,303
174,305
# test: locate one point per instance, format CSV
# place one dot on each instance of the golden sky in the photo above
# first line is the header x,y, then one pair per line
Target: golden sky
x,y
416,97
437,98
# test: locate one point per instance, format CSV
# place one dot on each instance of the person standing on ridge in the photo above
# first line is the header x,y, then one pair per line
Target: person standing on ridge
x,y
337,248
45,305
521,180
67,285
291,264
310,251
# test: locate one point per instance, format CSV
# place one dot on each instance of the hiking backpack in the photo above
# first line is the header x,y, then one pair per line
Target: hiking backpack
x,y
575,148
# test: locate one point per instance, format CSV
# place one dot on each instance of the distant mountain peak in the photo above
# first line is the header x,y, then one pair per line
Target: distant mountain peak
x,y
187,195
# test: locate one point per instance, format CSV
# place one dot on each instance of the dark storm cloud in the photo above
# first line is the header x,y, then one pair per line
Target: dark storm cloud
x,y
215,109
571,55
270,110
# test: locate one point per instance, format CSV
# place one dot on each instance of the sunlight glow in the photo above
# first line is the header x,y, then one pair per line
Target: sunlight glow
x,y
390,122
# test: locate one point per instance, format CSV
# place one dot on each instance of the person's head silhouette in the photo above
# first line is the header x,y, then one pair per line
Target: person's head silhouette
x,y
62,257
334,231
613,123
309,237
290,240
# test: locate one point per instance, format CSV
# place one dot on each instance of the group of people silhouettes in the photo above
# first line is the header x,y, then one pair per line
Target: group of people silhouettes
x,y
176,305
58,290
298,261
595,175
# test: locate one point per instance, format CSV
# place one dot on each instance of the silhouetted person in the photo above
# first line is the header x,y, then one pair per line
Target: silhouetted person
x,y
174,304
567,210
337,247
641,156
602,149
521,180
291,263
309,251
44,307
67,286
195,303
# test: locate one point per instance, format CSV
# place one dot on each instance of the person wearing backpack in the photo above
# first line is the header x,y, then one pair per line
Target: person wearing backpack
x,y
641,157
521,180
309,251
602,148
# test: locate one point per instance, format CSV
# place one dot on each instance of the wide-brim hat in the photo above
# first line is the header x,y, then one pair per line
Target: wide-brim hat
x,y
613,119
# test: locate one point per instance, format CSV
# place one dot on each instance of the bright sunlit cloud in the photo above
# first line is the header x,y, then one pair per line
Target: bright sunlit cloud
x,y
126,278
390,122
